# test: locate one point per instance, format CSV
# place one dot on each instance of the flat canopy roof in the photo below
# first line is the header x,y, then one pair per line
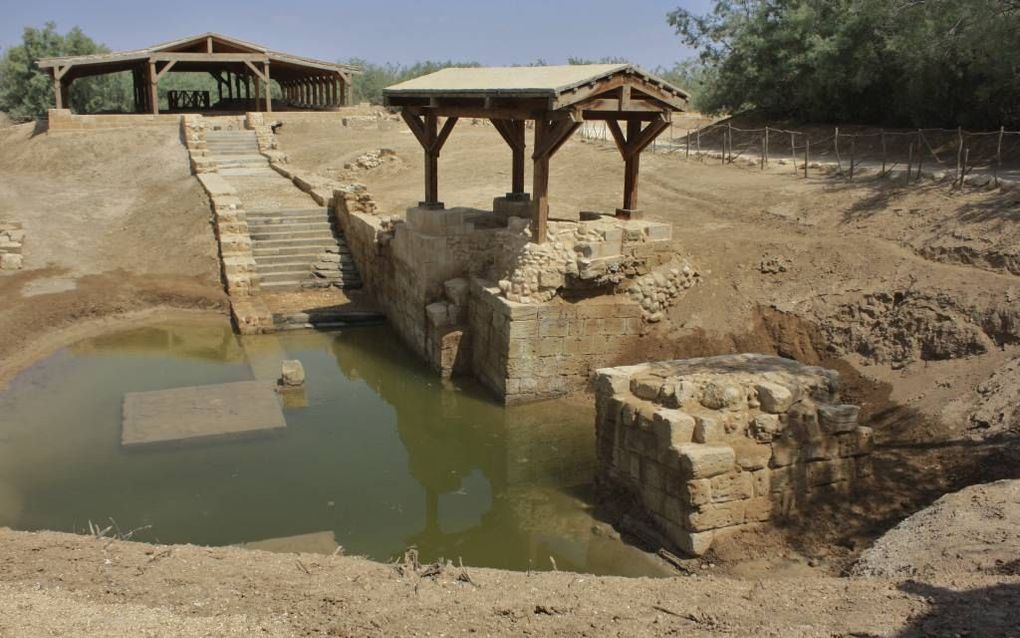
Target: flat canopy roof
x,y
561,85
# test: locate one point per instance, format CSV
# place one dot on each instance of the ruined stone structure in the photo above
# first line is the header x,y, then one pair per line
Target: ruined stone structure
x,y
472,294
708,446
11,239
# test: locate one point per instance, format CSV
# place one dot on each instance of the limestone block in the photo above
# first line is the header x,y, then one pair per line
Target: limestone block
x,y
759,509
762,481
785,451
731,486
715,395
821,449
646,387
716,515
825,472
765,427
292,373
837,419
240,265
773,397
709,429
456,290
705,461
697,492
673,427
750,455
693,543
11,261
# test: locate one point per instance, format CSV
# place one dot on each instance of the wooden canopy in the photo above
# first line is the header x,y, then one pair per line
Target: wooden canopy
x,y
305,82
557,98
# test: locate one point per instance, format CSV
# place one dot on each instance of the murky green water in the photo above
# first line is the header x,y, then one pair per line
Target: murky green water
x,y
383,456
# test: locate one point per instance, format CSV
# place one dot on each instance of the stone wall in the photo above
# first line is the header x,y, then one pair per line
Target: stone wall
x,y
709,446
65,120
12,237
470,292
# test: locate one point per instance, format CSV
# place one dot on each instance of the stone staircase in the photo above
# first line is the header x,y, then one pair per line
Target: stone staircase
x,y
236,152
297,249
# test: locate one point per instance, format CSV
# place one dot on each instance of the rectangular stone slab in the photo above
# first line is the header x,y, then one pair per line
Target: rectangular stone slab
x,y
200,413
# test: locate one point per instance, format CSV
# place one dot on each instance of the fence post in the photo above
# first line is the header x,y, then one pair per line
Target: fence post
x,y
920,157
807,152
998,155
853,149
729,143
764,143
966,160
835,141
698,140
883,153
793,152
959,156
910,159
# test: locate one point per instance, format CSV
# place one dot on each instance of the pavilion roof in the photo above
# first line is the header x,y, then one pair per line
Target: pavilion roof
x,y
561,85
192,49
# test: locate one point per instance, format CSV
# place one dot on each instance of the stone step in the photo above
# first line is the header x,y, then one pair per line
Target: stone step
x,y
299,266
287,211
273,244
303,256
326,319
296,284
274,255
285,233
218,151
294,225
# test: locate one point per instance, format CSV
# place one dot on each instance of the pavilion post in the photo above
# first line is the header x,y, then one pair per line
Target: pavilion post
x,y
630,147
426,131
550,135
269,89
258,86
153,89
512,132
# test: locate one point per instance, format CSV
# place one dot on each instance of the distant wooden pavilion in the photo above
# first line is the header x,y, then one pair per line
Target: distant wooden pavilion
x,y
237,66
557,98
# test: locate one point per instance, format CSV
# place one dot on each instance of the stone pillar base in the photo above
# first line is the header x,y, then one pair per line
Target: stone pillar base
x,y
633,213
432,205
513,205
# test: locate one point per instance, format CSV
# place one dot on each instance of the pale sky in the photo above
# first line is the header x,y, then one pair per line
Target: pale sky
x,y
402,31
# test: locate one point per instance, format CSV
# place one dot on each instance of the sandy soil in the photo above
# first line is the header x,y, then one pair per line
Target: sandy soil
x,y
75,585
114,224
858,277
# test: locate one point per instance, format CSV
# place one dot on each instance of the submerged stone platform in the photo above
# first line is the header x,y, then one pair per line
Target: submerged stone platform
x,y
201,413
711,445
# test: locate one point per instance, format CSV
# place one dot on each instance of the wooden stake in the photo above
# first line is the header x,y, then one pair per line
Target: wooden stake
x,y
793,151
959,156
998,155
966,160
729,143
910,159
698,133
764,147
688,151
839,163
920,157
853,152
807,152
884,153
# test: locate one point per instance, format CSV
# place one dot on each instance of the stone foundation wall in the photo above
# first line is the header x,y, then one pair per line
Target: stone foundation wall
x,y
12,237
470,293
65,120
709,446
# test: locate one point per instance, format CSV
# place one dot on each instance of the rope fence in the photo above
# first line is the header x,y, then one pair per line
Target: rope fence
x,y
897,153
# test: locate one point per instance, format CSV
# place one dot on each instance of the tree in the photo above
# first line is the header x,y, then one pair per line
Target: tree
x,y
26,91
908,62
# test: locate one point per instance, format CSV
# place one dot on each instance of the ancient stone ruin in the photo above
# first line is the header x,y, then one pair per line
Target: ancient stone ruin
x,y
709,446
11,239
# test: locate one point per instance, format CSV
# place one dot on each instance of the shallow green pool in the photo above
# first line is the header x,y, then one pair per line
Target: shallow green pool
x,y
383,455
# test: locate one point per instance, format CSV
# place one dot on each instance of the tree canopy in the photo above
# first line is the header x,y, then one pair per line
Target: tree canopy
x,y
903,62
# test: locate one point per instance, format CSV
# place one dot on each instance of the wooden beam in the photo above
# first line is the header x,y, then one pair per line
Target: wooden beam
x,y
443,135
414,122
512,132
554,137
162,72
255,70
209,57
618,136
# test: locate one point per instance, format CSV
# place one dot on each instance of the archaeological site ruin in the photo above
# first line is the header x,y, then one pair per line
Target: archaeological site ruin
x,y
469,357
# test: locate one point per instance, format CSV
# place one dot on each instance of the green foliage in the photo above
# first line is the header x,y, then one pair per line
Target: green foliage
x,y
905,62
26,91
374,78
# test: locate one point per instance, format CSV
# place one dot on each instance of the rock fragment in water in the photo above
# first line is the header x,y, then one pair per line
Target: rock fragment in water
x,y
292,374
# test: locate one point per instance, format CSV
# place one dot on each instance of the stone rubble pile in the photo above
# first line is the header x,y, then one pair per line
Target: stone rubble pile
x,y
12,237
658,290
713,445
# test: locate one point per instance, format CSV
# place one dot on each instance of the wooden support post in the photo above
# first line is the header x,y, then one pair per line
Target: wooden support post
x,y
58,90
269,88
630,147
258,90
512,132
550,136
153,89
426,130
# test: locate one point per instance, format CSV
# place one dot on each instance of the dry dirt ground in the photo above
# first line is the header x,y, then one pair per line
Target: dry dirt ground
x,y
114,223
911,293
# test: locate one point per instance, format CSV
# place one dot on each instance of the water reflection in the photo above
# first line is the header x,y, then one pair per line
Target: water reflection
x,y
380,456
